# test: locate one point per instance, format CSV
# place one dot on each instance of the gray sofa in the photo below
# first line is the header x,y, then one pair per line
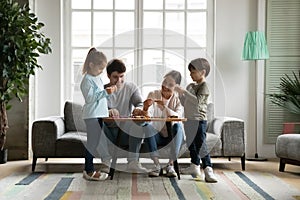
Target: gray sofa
x,y
287,148
65,136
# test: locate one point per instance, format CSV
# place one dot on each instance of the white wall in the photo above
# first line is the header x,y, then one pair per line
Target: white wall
x,y
47,94
234,79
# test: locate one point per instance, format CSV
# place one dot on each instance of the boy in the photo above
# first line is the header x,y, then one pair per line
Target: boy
x,y
195,99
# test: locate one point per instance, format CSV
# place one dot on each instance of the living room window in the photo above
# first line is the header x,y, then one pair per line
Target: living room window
x,y
150,36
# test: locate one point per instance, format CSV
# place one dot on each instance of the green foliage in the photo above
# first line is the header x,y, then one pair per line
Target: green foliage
x,y
21,43
289,98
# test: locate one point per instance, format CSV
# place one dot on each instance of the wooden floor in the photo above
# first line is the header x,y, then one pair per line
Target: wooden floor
x,y
290,176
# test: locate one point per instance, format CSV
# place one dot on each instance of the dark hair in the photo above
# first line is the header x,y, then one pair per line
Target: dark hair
x,y
94,56
115,65
175,75
200,64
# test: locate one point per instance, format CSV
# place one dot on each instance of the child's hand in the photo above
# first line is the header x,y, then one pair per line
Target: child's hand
x,y
111,89
179,90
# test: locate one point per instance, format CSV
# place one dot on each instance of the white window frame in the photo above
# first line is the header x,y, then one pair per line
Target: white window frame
x,y
67,49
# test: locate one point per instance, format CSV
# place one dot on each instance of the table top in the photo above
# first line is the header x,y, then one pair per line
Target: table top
x,y
144,119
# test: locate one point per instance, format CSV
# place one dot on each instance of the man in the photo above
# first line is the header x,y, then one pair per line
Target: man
x,y
125,101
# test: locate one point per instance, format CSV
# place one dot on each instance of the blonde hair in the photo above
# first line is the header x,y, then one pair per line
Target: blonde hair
x,y
96,57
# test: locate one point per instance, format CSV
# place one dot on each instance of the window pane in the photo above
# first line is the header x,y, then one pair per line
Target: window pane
x,y
124,22
153,4
153,65
197,4
174,39
152,57
175,22
153,20
124,4
127,56
196,27
175,4
103,29
195,53
152,38
79,4
103,4
174,60
81,29
125,39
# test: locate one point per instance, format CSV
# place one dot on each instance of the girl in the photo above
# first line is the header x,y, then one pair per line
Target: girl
x,y
94,109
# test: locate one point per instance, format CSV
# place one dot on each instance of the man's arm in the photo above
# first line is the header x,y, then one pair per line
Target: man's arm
x,y
136,99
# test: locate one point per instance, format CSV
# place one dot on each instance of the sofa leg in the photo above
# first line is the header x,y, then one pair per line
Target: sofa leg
x,y
281,165
34,159
46,159
243,162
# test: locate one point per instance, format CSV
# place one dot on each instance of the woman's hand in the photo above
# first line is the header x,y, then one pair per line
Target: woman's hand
x,y
161,103
147,104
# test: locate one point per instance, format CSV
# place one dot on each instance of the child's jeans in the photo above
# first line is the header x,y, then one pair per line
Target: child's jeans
x,y
195,132
96,143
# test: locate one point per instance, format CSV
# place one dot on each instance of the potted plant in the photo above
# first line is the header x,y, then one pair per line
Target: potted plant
x,y
21,43
289,96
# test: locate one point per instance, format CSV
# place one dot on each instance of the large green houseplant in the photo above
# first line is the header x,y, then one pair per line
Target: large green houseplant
x,y
289,96
21,43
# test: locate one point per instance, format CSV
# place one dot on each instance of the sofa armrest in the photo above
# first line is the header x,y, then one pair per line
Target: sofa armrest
x,y
45,132
232,133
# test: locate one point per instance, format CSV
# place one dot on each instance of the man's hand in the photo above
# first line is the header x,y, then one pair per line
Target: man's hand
x,y
114,113
139,112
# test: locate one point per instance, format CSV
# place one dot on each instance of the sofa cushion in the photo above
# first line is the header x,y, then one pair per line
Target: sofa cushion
x,y
288,146
73,117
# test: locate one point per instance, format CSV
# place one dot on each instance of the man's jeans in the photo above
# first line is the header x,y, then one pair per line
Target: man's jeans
x,y
131,135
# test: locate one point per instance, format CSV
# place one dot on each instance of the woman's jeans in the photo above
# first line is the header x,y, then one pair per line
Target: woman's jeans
x,y
96,143
195,132
157,139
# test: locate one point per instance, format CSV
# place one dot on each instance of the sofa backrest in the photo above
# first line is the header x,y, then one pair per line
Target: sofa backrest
x,y
73,117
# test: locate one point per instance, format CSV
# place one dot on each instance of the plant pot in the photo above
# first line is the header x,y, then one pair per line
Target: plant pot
x,y
3,156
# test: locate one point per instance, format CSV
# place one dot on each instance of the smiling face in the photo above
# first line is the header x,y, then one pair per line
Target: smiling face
x,y
167,88
116,78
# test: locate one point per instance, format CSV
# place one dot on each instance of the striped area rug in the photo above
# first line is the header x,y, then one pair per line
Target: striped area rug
x,y
231,185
